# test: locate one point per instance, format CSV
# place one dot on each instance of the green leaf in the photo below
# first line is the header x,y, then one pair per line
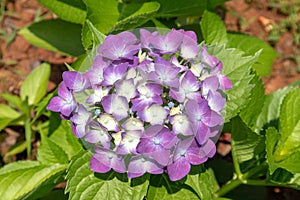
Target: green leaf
x,y
272,137
290,116
55,35
69,10
204,184
253,108
264,63
82,63
34,86
7,115
161,188
16,149
285,178
169,8
269,114
246,144
64,138
28,178
82,183
103,14
142,15
287,150
213,28
109,17
49,152
13,100
237,68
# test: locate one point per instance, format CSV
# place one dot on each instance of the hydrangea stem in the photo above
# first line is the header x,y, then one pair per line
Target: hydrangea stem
x,y
239,179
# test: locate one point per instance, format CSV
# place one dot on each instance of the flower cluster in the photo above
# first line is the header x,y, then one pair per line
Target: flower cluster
x,y
149,103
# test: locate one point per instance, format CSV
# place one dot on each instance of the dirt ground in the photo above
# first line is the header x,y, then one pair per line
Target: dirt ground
x,y
18,58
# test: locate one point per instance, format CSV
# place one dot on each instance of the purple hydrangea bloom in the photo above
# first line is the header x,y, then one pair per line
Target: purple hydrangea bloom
x,y
64,102
186,153
80,119
156,143
150,103
104,160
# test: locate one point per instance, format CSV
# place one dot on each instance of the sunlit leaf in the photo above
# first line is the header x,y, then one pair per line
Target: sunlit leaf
x,y
82,183
34,87
24,179
69,10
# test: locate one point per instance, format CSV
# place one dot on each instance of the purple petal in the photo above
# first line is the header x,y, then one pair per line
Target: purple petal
x,y
140,164
208,149
225,83
114,73
210,84
212,118
216,101
75,81
178,169
56,103
202,134
97,165
115,105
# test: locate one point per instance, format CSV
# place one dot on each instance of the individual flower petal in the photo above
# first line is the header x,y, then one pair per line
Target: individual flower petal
x,y
140,164
167,44
116,47
81,119
216,101
99,93
64,102
104,160
165,74
129,142
108,122
149,93
181,125
210,84
95,73
133,124
154,114
156,143
126,88
115,105
114,73
75,81
96,134
210,61
188,88
178,169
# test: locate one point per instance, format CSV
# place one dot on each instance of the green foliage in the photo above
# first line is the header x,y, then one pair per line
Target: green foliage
x,y
82,183
34,87
213,29
265,61
256,100
55,35
283,145
237,69
7,115
185,8
24,179
270,111
69,10
246,144
260,125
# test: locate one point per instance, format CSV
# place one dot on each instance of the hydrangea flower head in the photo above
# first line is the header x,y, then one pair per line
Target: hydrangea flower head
x,y
150,103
